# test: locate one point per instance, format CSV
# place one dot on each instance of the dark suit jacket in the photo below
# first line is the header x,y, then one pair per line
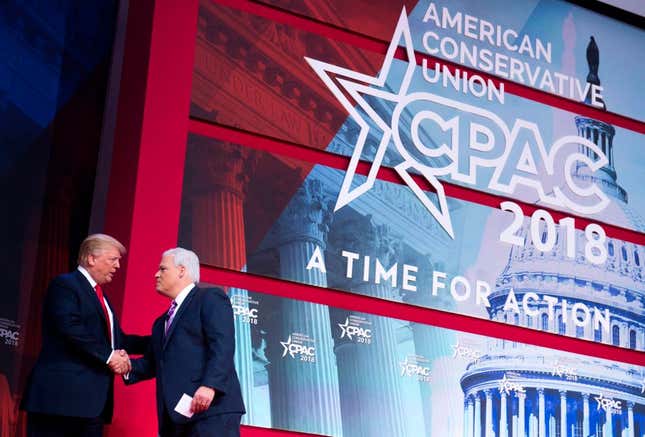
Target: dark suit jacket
x,y
198,350
71,377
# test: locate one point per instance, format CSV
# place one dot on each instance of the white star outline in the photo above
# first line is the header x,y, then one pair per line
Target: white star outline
x,y
455,348
607,404
285,345
507,386
404,367
358,84
465,352
344,328
599,400
503,386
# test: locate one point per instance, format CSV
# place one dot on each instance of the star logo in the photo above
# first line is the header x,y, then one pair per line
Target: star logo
x,y
351,88
286,345
557,369
504,385
608,404
562,370
456,350
507,386
599,401
344,327
404,366
465,352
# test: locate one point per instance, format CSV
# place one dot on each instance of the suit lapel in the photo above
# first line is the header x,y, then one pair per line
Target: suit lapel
x,y
178,314
157,333
114,324
88,292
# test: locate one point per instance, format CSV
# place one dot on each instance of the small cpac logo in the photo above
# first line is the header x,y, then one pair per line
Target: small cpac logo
x,y
294,349
349,331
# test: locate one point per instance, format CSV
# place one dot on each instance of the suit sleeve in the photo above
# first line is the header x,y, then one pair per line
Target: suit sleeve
x,y
62,312
217,323
143,368
135,344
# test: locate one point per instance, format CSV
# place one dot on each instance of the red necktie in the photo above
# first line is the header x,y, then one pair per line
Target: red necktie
x,y
99,294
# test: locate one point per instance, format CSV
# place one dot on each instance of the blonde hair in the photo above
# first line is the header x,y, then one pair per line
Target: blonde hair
x,y
94,244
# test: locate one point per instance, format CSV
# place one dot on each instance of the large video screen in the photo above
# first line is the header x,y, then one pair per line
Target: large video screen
x,y
325,370
478,158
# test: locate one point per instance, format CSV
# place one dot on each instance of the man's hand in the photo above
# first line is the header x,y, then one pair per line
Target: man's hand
x,y
202,399
120,362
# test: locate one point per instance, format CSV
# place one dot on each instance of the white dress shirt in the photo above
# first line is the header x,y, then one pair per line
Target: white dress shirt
x,y
92,282
181,296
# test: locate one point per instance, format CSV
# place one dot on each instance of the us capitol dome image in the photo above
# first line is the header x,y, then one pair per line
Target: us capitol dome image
x,y
517,390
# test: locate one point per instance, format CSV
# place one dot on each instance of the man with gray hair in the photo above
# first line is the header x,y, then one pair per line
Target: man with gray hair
x,y
70,389
191,353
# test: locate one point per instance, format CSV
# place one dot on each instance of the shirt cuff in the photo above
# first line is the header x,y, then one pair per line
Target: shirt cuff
x,y
110,357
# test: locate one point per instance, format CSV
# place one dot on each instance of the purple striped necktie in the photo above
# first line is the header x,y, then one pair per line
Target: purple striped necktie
x,y
170,314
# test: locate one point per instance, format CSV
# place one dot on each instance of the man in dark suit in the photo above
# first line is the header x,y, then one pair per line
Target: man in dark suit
x,y
191,352
70,389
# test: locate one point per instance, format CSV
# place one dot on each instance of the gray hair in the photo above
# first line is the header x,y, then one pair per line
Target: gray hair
x,y
186,258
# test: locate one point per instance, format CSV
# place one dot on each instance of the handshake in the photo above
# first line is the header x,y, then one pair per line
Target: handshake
x,y
120,362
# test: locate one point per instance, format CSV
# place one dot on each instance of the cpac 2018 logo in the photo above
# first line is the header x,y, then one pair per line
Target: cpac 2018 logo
x,y
466,352
246,314
10,336
363,335
564,371
306,353
517,153
608,404
508,386
412,369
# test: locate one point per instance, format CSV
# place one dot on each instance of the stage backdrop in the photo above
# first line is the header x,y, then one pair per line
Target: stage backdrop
x,y
331,371
477,164
464,192
486,162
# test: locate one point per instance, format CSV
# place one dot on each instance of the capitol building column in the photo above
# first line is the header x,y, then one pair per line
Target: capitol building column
x,y
478,415
503,417
489,413
361,365
609,429
541,413
563,412
521,427
469,417
585,414
630,419
218,189
425,341
466,418
297,385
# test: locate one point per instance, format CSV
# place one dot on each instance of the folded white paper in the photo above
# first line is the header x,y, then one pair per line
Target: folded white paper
x,y
183,406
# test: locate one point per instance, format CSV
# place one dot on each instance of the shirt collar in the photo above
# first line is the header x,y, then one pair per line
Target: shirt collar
x,y
183,293
87,275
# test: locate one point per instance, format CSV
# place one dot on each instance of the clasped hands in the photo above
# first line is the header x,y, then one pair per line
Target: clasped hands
x,y
120,362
